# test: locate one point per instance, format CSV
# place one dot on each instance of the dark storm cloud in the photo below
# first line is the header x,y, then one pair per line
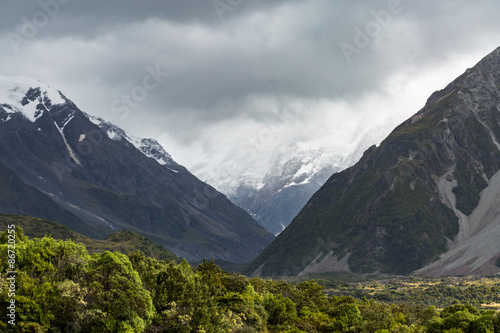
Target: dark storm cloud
x,y
261,47
224,57
87,17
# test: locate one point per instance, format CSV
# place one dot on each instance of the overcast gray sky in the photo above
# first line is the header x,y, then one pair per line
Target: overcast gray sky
x,y
200,75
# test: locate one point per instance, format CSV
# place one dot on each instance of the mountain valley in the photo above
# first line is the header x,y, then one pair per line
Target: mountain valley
x,y
59,163
424,201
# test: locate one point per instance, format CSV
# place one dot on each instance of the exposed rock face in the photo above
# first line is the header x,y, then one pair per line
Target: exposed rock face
x,y
59,163
426,199
287,187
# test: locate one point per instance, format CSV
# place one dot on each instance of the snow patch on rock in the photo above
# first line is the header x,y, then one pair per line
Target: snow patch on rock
x,y
70,150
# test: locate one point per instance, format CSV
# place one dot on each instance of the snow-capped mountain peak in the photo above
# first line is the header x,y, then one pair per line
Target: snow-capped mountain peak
x,y
64,165
32,98
28,96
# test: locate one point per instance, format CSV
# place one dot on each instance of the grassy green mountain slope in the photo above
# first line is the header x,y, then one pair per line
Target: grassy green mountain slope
x,y
123,241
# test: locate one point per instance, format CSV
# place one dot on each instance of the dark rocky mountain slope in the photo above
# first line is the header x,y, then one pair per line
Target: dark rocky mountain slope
x,y
59,163
426,200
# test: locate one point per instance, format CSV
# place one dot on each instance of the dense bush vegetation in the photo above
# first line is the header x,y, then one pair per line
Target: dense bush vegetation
x,y
123,241
440,292
61,288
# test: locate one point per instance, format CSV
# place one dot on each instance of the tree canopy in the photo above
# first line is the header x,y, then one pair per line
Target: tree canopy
x,y
60,287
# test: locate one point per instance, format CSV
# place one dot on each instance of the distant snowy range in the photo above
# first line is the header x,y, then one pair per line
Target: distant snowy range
x,y
273,181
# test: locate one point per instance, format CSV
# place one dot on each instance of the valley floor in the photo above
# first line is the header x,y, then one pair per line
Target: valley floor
x,y
481,292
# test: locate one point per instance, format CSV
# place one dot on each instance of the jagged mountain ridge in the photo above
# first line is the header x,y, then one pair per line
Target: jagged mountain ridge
x,y
149,147
59,163
425,200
